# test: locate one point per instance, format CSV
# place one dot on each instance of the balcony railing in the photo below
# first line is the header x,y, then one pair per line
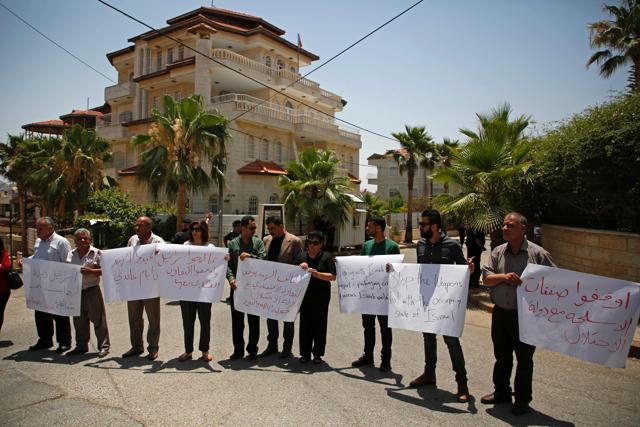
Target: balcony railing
x,y
121,90
259,106
279,76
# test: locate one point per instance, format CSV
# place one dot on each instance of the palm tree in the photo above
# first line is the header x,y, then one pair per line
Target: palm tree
x,y
486,169
446,150
416,150
74,169
183,140
620,39
17,163
374,205
313,193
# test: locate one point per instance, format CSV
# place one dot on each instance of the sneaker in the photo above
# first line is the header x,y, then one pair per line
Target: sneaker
x,y
364,360
62,348
103,353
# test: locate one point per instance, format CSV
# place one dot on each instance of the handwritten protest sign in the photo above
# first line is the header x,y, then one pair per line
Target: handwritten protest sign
x,y
190,272
52,287
363,283
130,273
582,315
428,298
270,289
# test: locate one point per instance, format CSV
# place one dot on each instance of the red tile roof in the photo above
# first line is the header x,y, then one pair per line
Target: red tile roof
x,y
376,156
354,179
260,167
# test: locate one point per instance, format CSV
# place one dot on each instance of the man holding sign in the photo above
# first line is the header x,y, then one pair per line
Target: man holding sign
x,y
51,246
435,247
243,246
379,245
144,236
502,273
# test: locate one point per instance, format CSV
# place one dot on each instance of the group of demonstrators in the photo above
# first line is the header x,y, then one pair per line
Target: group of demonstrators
x,y
505,267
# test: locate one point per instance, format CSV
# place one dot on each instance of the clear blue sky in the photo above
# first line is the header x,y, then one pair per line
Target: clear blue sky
x,y
435,66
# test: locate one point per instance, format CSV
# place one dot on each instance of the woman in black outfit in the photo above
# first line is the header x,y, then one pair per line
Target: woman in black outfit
x,y
315,305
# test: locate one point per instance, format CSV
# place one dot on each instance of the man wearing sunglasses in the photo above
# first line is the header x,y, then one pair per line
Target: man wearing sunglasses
x,y
241,247
286,248
379,245
435,247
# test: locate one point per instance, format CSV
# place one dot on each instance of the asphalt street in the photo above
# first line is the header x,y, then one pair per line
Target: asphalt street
x,y
43,388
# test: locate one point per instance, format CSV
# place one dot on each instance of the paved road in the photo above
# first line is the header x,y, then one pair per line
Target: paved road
x,y
43,388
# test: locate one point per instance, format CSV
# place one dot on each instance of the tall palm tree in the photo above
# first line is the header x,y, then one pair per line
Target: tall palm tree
x,y
183,141
374,205
74,168
486,168
17,162
620,40
313,193
417,149
446,150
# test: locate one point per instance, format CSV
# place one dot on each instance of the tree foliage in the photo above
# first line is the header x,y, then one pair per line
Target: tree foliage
x,y
589,168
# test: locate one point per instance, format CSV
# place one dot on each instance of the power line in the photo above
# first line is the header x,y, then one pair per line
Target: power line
x,y
55,43
335,56
249,77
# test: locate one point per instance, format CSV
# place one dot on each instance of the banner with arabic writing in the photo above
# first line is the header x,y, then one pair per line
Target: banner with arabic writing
x,y
190,272
270,289
582,315
52,287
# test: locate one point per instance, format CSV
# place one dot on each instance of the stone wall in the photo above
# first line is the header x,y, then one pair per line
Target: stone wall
x,y
605,253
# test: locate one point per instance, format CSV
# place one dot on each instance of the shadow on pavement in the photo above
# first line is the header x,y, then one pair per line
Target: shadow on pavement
x,y
434,399
372,374
190,366
7,343
49,356
533,417
288,365
127,363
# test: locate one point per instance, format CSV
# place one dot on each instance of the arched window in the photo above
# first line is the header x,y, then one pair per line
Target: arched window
x,y
267,61
293,69
253,205
118,160
280,64
288,106
274,198
278,152
212,206
251,147
264,152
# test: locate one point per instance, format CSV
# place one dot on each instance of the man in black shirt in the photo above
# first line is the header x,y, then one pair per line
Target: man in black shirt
x,y
475,246
182,236
235,232
435,247
286,248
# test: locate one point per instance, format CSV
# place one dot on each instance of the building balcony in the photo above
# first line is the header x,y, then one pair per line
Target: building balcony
x,y
120,91
110,126
307,125
278,78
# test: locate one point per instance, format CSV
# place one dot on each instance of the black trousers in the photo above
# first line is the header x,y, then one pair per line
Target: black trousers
x,y
505,337
4,299
455,353
369,325
44,326
314,314
237,330
474,280
273,333
191,309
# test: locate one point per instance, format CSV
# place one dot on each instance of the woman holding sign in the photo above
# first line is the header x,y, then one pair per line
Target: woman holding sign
x,y
315,305
198,235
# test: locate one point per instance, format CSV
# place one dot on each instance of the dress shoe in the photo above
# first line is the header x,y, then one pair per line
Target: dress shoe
x,y
62,348
103,353
132,352
153,355
40,346
492,399
318,360
463,392
519,408
236,356
252,356
285,354
427,378
363,360
268,352
303,359
385,366
76,351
